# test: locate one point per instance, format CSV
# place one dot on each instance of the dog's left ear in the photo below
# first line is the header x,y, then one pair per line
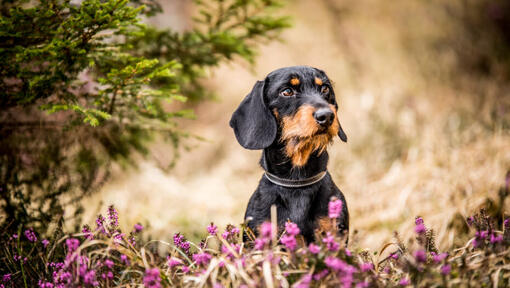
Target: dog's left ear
x,y
253,124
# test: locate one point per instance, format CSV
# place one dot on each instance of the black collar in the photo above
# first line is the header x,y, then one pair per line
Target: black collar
x,y
290,183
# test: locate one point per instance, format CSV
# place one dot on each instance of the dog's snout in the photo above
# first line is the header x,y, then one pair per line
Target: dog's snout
x,y
324,116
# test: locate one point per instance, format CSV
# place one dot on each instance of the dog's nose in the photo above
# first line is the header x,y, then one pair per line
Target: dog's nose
x,y
324,116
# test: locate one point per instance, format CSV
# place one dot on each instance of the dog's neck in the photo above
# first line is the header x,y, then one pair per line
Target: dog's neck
x,y
274,161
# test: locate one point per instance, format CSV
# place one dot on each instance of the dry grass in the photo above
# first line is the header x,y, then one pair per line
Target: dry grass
x,y
416,146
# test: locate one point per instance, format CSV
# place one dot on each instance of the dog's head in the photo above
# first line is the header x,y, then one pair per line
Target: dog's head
x,y
298,104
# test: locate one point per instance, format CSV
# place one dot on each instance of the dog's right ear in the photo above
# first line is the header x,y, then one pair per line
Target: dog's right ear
x,y
253,124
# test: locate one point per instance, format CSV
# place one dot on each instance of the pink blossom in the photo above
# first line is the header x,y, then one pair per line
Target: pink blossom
x,y
45,242
304,282
404,282
420,228
152,279
445,269
30,235
420,256
138,227
173,261
289,241
314,249
394,256
109,263
202,258
124,259
367,266
496,239
334,208
330,242
72,244
212,229
266,230
291,228
260,243
438,257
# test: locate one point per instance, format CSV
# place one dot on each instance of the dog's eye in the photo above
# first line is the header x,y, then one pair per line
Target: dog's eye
x,y
325,90
287,92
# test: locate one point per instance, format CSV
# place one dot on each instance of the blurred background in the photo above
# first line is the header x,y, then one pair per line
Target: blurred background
x,y
424,99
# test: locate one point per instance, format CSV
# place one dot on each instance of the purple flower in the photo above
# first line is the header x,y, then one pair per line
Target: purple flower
x,y
420,256
496,239
100,224
45,242
266,230
320,275
420,229
291,228
212,229
152,279
418,220
367,266
89,278
348,252
113,216
304,282
330,242
445,269
394,255
335,208
289,241
124,259
202,258
72,244
30,235
87,232
109,263
6,277
439,257
314,249
470,220
506,223
334,263
138,227
404,282
15,236
260,243
185,246
173,261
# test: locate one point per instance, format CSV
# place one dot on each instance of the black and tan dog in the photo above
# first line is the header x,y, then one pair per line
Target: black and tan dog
x,y
292,116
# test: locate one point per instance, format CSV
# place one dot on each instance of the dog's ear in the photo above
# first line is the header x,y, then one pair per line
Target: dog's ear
x,y
341,133
253,124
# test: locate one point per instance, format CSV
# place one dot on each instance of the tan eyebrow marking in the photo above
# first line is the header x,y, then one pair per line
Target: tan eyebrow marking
x,y
318,81
294,81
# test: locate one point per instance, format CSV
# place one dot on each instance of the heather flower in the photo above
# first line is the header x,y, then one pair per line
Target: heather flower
x,y
420,228
100,224
470,220
173,261
185,269
152,279
226,251
367,266
348,252
266,230
6,277
394,256
185,246
90,278
138,227
438,257
212,229
260,243
45,242
202,258
314,249
113,216
320,275
15,236
418,220
334,208
404,282
304,282
506,223
292,228
289,241
87,233
30,235
117,238
420,256
496,239
363,284
331,244
445,269
124,259
72,244
108,263
334,263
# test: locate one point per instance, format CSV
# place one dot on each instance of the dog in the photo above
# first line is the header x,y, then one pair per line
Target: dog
x,y
292,116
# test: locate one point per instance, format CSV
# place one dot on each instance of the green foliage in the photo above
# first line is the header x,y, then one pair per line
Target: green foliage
x,y
86,84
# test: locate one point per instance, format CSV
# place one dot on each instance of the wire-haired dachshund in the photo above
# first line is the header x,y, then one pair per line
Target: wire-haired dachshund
x,y
292,116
